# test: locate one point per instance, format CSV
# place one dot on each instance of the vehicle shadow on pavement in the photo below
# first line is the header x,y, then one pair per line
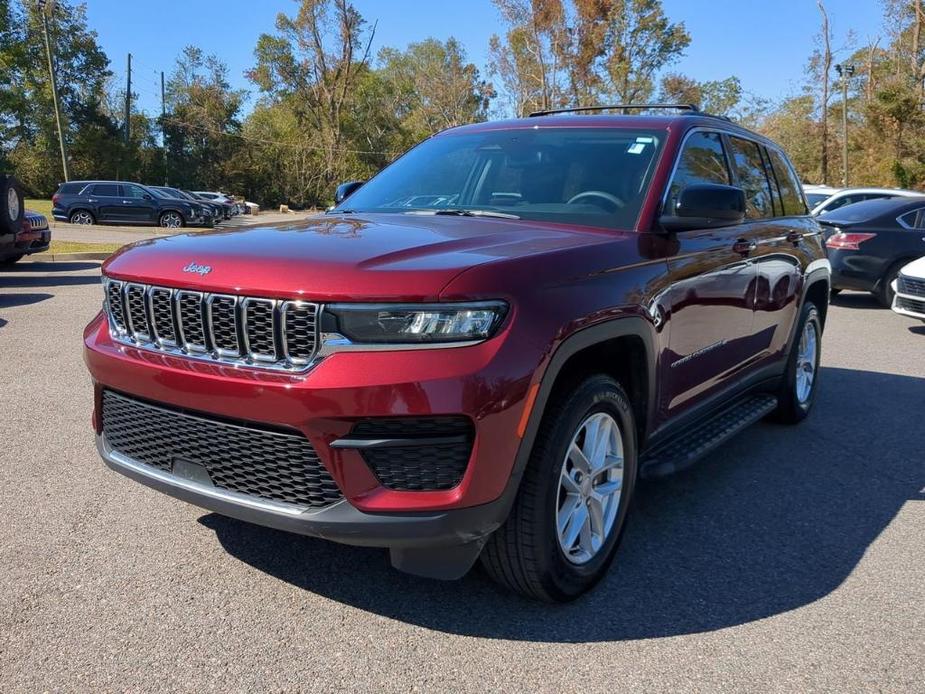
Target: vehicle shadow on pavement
x,y
850,299
11,300
48,274
774,520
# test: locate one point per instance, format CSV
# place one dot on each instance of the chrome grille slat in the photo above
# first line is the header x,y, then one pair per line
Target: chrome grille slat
x,y
221,312
115,306
299,330
221,328
259,329
188,307
160,304
136,299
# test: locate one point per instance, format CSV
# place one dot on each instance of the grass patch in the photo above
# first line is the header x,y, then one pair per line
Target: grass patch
x,y
40,206
77,247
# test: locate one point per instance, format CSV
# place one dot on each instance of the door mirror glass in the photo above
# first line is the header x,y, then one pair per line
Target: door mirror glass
x,y
705,206
345,190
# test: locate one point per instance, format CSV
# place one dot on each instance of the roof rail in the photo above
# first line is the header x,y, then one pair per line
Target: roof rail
x,y
692,108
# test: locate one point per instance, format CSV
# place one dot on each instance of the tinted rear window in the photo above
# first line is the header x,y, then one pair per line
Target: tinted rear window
x,y
787,184
72,188
110,189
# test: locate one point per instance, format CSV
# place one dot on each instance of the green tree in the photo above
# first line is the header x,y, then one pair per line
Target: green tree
x,y
28,133
431,87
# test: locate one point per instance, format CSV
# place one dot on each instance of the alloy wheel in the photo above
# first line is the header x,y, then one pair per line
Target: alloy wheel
x,y
590,486
81,218
806,362
171,220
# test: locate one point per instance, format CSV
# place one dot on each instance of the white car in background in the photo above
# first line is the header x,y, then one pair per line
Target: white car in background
x,y
825,199
909,286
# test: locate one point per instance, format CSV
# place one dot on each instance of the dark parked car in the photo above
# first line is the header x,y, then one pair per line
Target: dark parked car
x,y
92,202
216,209
480,350
869,242
209,213
228,205
22,231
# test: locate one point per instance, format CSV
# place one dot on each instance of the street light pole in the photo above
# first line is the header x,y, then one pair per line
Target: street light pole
x,y
844,70
46,7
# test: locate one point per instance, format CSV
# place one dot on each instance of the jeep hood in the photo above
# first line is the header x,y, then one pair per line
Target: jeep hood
x,y
369,257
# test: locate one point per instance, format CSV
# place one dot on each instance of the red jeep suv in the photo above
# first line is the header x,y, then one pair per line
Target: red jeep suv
x,y
480,350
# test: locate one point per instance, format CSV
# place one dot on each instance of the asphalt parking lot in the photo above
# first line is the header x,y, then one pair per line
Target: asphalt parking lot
x,y
793,559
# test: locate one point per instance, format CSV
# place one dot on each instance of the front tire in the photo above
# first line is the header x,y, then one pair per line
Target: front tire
x,y
798,390
569,515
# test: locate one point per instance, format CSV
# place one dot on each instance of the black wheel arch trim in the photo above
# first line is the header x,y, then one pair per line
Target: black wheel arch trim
x,y
627,326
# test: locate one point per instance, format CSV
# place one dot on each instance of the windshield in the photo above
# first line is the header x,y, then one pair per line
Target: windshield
x,y
815,198
590,176
161,194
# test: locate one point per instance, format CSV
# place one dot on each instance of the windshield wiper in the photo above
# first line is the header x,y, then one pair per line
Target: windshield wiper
x,y
461,212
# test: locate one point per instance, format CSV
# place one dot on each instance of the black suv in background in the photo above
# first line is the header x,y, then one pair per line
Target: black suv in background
x,y
92,202
219,210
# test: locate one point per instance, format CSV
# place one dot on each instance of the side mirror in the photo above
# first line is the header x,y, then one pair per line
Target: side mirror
x,y
705,206
345,190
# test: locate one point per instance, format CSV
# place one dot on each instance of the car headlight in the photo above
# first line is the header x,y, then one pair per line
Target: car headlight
x,y
414,323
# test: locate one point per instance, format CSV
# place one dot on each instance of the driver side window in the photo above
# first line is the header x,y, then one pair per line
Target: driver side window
x,y
131,191
701,161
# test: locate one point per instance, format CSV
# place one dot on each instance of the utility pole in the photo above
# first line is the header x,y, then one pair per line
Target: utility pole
x,y
46,7
128,101
164,127
845,71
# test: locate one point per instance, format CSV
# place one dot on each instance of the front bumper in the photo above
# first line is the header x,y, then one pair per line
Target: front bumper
x,y
911,305
32,241
324,404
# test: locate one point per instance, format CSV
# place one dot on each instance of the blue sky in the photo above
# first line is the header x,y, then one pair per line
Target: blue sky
x,y
765,43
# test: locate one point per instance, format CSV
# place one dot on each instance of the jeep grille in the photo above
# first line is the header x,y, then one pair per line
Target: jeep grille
x,y
223,328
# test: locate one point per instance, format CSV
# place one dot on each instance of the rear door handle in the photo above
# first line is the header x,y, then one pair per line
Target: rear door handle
x,y
744,246
794,236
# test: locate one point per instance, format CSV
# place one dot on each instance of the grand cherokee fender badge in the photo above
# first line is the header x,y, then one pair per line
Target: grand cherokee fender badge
x,y
198,269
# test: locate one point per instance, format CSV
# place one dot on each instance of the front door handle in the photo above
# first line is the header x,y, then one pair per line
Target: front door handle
x,y
126,202
744,246
794,236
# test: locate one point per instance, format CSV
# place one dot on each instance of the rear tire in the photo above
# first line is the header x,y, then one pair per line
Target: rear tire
x,y
533,553
796,396
81,217
885,291
171,220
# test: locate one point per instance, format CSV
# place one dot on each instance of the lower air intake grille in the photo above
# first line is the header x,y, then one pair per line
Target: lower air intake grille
x,y
267,464
438,461
913,305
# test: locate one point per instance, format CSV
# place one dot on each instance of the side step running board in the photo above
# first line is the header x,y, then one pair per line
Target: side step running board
x,y
689,446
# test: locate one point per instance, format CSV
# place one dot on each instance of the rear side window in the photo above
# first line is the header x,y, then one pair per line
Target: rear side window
x,y
913,220
788,184
701,161
752,178
110,189
72,188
